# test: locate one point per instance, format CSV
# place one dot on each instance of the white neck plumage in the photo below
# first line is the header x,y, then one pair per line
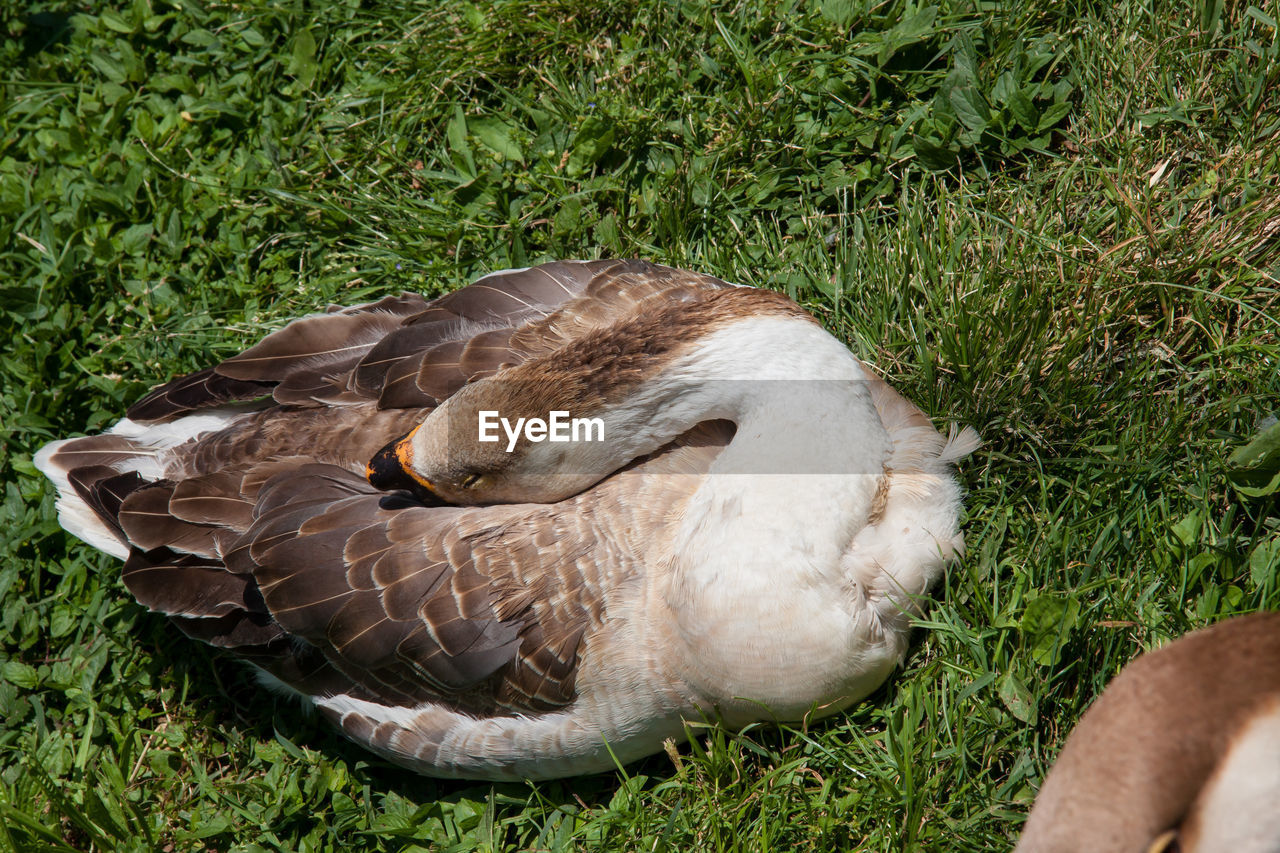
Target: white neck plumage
x,y
800,475
797,396
802,469
759,547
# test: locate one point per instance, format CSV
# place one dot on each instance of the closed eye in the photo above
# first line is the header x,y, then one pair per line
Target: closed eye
x,y
470,480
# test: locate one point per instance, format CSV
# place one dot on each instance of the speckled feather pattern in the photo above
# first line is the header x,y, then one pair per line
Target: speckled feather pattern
x,y
497,642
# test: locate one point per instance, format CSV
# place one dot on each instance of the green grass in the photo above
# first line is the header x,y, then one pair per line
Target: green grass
x,y
1061,227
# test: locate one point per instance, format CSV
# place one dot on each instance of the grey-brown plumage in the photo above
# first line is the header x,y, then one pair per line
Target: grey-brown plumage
x,y
269,519
1134,773
238,496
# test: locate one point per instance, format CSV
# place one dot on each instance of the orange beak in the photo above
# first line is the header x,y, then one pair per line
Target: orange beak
x,y
392,468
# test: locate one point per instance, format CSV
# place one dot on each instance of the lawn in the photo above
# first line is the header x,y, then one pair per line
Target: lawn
x,y
1056,222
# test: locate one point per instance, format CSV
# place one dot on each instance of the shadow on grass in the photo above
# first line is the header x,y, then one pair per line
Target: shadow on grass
x,y
45,30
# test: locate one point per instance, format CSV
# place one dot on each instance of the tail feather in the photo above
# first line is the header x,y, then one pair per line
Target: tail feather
x,y
961,441
105,490
96,474
916,443
83,507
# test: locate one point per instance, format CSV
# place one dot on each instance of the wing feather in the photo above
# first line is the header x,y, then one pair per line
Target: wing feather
x,y
200,390
264,538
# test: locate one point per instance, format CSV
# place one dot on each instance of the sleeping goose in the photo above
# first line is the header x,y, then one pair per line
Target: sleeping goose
x,y
741,532
1180,753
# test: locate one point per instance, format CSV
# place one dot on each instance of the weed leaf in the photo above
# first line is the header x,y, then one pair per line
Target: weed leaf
x,y
1046,624
1254,469
1017,698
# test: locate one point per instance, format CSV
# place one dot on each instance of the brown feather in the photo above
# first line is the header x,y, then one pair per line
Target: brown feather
x,y
168,582
441,374
234,630
148,523
104,490
406,343
400,389
311,388
200,390
212,499
298,564
311,345
97,450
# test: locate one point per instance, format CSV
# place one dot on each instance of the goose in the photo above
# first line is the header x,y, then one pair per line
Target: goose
x,y
1181,752
745,536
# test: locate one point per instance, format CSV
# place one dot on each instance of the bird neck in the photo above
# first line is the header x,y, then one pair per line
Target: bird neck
x,y
758,551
